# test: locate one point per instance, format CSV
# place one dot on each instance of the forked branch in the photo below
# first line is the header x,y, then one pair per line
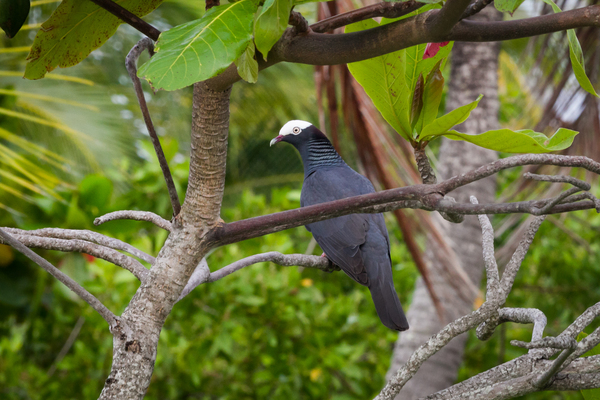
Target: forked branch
x,y
108,316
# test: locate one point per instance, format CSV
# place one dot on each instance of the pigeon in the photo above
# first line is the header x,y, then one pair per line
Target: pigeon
x,y
357,243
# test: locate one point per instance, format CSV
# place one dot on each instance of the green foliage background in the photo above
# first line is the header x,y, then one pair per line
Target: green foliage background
x,y
265,331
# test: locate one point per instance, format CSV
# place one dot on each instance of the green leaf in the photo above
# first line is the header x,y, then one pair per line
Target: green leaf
x,y
13,14
382,79
576,55
415,65
523,141
200,49
247,66
417,102
271,23
432,96
509,6
446,122
73,31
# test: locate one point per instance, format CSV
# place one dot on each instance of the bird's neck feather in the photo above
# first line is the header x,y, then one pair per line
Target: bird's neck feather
x,y
318,153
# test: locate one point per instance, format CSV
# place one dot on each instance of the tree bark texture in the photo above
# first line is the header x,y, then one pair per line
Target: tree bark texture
x,y
474,71
135,342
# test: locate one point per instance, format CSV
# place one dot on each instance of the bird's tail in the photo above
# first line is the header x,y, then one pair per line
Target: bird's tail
x,y
386,302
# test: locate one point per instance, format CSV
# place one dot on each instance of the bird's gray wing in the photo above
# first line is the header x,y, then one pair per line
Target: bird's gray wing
x,y
341,237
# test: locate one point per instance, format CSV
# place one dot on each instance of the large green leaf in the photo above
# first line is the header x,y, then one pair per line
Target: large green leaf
x,y
509,6
383,79
13,14
73,31
246,64
390,80
432,96
523,141
200,49
447,121
576,55
415,65
271,23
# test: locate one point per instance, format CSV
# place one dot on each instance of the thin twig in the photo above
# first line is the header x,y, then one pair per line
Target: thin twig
x,y
129,18
475,7
518,315
202,273
137,216
86,235
130,63
100,308
559,342
82,246
383,9
558,179
493,290
557,365
511,269
67,346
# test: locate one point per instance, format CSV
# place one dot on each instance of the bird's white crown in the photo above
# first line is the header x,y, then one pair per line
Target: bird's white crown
x,y
293,127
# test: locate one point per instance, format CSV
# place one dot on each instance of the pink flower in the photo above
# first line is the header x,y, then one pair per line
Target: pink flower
x,y
432,48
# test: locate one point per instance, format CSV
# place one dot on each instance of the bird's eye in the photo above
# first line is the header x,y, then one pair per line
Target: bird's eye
x,y
296,130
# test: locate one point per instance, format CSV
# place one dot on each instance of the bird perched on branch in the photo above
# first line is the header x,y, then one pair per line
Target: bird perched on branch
x,y
357,243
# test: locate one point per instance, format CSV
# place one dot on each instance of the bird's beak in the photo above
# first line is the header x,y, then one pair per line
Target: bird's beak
x,y
276,140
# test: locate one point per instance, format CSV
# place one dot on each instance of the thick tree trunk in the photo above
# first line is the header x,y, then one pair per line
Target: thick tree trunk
x,y
134,351
474,71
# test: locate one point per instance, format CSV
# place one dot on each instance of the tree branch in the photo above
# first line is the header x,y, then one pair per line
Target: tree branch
x,y
137,216
518,315
383,9
475,7
201,276
327,49
129,18
427,197
100,308
86,235
130,63
82,246
451,12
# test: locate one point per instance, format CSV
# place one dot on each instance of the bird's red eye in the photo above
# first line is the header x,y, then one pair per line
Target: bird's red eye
x,y
296,130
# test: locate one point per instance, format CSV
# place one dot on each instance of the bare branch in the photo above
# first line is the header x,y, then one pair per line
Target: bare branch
x,y
326,49
130,63
202,273
383,9
427,197
129,18
519,315
493,290
82,246
511,269
557,365
137,216
298,21
562,343
475,7
108,316
442,22
558,179
86,235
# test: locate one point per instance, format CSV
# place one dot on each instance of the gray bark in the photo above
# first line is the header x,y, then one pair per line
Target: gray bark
x,y
474,71
134,344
